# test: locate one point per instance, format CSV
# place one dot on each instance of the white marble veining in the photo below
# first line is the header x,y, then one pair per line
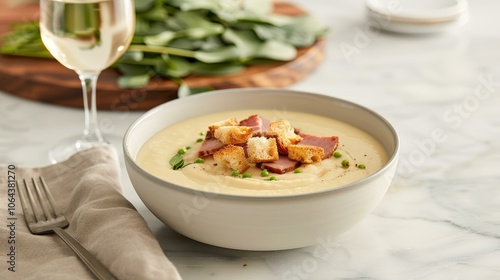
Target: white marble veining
x,y
440,218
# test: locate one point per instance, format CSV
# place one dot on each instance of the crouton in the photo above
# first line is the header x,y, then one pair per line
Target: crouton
x,y
233,135
262,149
305,153
284,133
228,122
232,157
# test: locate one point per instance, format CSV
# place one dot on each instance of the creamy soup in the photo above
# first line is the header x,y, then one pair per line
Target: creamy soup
x,y
355,146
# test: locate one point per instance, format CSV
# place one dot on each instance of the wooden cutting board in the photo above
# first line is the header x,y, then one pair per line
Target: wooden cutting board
x,y
48,81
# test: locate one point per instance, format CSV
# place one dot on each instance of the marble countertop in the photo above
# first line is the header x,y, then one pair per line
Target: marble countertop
x,y
440,218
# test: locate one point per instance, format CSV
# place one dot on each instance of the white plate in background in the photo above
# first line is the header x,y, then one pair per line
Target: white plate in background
x,y
417,16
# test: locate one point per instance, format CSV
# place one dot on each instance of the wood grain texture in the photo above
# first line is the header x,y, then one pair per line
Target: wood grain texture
x,y
48,81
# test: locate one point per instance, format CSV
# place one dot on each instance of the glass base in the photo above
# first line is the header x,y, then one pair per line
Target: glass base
x,y
68,147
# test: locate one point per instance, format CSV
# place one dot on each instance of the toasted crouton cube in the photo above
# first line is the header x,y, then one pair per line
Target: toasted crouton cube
x,y
228,122
233,135
305,153
284,133
262,149
232,157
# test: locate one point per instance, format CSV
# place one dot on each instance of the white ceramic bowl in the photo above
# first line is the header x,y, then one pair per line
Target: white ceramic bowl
x,y
260,223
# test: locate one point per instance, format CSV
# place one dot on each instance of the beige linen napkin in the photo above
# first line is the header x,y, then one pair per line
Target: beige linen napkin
x,y
87,189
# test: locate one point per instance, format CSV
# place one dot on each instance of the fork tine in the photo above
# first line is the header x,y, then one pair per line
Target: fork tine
x,y
34,200
43,195
29,214
51,199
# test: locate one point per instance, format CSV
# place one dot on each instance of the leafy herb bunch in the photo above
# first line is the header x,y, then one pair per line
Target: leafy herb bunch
x,y
177,38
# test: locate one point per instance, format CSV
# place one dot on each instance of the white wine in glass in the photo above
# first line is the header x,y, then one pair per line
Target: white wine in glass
x,y
86,36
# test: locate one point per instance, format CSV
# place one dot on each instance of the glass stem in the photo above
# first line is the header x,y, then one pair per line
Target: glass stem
x,y
91,134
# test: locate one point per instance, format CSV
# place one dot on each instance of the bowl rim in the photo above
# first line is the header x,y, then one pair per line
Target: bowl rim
x,y
393,158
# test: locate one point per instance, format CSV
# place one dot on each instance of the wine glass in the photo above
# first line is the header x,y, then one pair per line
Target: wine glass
x,y
86,36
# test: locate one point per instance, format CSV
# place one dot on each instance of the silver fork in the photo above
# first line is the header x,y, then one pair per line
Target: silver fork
x,y
43,217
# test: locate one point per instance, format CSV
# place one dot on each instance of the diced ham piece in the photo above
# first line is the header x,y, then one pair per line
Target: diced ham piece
x,y
281,166
328,143
210,145
258,124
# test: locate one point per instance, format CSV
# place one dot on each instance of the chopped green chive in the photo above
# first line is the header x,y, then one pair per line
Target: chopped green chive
x,y
264,173
361,166
199,160
298,170
345,163
199,140
247,175
181,151
272,178
337,154
235,173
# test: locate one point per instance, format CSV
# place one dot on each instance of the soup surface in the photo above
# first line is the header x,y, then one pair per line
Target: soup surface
x,y
355,146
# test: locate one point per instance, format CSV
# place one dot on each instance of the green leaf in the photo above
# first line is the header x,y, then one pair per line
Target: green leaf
x,y
178,67
160,65
307,24
229,53
250,16
145,27
141,26
246,41
159,13
202,32
176,162
184,90
187,5
260,7
162,50
302,33
144,5
192,24
138,81
24,40
299,38
160,39
173,23
196,25
190,19
212,43
267,32
214,69
276,50
133,56
249,46
277,19
186,43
